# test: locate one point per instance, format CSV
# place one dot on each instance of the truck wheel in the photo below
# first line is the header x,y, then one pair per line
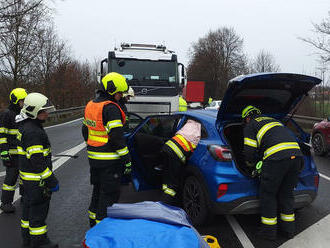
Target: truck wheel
x,y
194,201
318,144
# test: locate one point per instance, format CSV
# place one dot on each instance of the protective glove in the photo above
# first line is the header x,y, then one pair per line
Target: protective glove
x,y
258,167
55,189
257,171
5,156
127,168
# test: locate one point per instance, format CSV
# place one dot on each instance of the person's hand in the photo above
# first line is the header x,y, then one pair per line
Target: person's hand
x,y
55,189
5,156
127,168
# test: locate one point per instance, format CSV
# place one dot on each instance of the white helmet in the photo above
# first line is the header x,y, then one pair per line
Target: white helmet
x,y
130,92
34,102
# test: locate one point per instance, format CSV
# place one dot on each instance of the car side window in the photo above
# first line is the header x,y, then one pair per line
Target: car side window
x,y
161,126
204,134
132,121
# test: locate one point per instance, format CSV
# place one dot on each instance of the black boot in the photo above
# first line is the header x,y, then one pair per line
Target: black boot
x,y
49,245
169,200
288,235
92,223
268,232
42,242
26,243
7,208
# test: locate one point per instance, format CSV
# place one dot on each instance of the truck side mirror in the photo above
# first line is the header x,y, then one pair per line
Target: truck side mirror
x,y
103,68
183,75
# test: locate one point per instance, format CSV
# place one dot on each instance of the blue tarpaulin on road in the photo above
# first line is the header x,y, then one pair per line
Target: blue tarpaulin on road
x,y
144,224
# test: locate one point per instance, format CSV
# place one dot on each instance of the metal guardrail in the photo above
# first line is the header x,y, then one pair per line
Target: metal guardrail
x,y
62,115
308,118
307,121
66,111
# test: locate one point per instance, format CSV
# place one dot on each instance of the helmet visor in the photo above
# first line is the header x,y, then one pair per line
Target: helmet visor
x,y
48,107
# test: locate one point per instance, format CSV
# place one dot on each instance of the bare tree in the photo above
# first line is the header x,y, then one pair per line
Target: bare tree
x,y
264,62
216,58
21,25
51,54
322,40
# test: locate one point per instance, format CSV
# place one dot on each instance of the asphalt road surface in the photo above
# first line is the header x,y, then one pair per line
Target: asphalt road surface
x,y
68,220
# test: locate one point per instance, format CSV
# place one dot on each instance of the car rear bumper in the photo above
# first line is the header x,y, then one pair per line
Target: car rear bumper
x,y
250,205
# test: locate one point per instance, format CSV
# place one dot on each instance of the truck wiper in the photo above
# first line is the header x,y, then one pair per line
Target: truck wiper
x,y
134,81
159,81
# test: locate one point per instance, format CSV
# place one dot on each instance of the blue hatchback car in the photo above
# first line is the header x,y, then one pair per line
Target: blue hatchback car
x,y
217,180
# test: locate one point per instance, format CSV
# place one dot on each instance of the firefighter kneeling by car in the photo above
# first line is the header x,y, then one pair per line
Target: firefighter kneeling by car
x,y
281,163
176,152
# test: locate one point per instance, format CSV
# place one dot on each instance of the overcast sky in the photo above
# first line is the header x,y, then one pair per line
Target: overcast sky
x,y
92,28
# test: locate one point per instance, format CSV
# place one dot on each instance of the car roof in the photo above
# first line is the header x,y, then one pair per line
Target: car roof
x,y
203,115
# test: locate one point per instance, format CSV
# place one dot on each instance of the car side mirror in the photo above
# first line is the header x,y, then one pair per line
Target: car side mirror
x,y
328,118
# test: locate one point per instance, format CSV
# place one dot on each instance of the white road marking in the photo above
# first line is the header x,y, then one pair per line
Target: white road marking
x,y
241,235
324,176
62,124
57,164
316,236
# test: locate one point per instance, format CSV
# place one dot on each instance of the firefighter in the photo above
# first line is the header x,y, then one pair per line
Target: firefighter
x,y
176,152
182,104
35,168
107,152
210,101
8,148
281,163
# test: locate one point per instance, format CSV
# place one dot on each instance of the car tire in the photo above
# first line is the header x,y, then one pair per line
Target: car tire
x,y
194,201
318,144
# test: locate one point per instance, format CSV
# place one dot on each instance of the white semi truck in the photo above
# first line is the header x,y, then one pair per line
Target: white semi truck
x,y
153,72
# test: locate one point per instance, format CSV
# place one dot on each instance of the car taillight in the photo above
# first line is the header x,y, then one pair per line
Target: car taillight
x,y
316,181
84,244
222,190
220,153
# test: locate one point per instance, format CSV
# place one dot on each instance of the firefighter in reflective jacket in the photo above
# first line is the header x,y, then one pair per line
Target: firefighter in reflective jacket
x,y
282,161
106,147
35,168
176,152
182,104
8,148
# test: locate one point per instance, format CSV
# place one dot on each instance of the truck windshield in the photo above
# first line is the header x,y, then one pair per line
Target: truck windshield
x,y
145,72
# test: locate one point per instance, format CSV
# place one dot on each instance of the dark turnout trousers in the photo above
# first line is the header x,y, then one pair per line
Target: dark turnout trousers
x,y
106,183
278,180
35,210
9,184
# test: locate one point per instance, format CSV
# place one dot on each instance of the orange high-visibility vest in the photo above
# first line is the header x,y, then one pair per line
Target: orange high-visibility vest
x,y
97,133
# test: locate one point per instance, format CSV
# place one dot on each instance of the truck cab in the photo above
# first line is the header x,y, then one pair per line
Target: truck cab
x,y
154,74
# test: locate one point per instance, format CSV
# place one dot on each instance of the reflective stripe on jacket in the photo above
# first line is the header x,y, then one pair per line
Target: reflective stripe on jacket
x,y
181,147
9,130
34,154
97,132
270,139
